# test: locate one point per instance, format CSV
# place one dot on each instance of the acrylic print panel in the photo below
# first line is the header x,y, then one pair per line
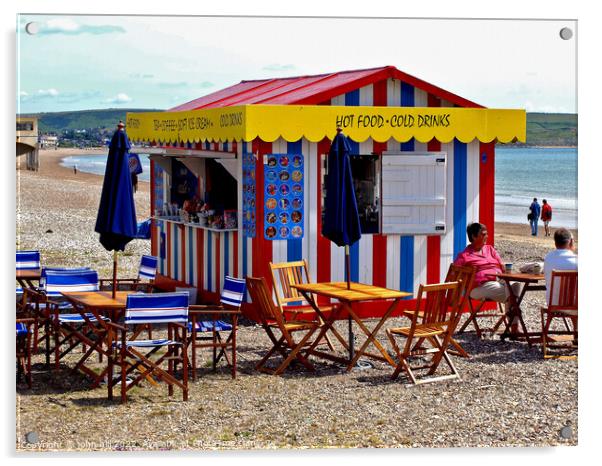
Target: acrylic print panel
x,y
79,75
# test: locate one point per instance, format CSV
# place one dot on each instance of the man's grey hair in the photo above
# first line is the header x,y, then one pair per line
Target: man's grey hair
x,y
562,237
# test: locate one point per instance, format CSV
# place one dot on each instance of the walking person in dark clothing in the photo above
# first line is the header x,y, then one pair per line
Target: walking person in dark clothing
x,y
535,212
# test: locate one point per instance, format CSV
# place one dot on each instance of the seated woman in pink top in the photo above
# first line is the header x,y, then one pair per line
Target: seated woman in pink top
x,y
487,262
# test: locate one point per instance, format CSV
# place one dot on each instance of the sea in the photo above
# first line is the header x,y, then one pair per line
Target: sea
x,y
521,173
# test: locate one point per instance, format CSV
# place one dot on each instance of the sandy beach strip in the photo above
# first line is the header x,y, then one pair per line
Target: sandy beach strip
x,y
502,399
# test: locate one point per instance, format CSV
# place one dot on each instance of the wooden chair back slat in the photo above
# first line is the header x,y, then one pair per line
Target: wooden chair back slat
x,y
435,302
465,276
285,274
564,290
261,296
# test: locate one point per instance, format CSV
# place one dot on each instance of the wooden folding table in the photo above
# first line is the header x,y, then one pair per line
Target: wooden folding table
x,y
100,304
357,293
515,312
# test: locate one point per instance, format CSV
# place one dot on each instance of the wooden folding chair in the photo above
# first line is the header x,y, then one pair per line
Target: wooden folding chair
x,y
465,276
498,315
210,319
169,309
272,318
25,261
70,329
433,322
37,301
563,305
285,274
23,349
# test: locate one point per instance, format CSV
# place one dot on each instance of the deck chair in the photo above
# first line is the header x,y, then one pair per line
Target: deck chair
x,y
71,329
272,319
207,319
28,260
147,271
23,349
140,360
285,274
432,322
25,260
36,301
563,306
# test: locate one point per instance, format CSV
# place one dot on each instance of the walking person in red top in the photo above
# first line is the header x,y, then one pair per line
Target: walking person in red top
x,y
486,262
546,216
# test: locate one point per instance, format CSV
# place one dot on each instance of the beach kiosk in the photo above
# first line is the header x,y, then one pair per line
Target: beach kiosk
x,y
238,177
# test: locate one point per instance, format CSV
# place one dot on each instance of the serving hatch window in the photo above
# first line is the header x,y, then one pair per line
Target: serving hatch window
x,y
366,172
399,193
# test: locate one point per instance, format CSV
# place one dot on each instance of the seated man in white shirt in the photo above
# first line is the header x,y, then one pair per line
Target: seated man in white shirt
x,y
562,258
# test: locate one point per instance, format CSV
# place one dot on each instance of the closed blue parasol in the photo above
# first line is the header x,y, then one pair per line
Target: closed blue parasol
x,y
341,223
116,218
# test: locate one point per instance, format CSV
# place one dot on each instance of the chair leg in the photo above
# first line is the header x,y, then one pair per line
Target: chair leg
x,y
233,343
459,349
193,344
123,373
441,354
277,347
294,354
402,365
184,370
214,348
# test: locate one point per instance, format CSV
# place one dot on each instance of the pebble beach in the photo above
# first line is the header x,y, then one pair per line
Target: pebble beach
x,y
502,398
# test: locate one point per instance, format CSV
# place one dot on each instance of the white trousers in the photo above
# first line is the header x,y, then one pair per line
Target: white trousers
x,y
495,290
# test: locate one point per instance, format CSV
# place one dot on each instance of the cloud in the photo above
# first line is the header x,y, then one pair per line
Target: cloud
x,y
69,27
39,95
120,98
47,92
279,67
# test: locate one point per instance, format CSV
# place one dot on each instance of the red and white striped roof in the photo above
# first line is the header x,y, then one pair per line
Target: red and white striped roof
x,y
312,90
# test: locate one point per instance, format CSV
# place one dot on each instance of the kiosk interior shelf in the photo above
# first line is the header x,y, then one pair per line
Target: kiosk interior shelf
x,y
190,224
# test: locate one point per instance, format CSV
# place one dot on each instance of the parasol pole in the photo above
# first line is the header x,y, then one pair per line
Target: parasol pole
x,y
349,323
114,274
347,267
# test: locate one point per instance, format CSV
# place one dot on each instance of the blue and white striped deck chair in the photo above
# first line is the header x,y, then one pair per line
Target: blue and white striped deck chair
x,y
69,326
37,300
26,260
56,293
148,268
147,272
170,309
206,319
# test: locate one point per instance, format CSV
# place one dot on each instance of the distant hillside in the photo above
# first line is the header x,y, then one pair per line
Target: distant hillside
x,y
551,129
58,122
543,129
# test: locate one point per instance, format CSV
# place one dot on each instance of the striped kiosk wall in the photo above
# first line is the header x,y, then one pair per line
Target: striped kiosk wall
x,y
203,257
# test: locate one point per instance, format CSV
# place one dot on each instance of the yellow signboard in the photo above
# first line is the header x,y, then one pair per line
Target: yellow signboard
x,y
315,122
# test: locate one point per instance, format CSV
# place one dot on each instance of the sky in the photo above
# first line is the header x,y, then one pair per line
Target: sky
x,y
78,62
